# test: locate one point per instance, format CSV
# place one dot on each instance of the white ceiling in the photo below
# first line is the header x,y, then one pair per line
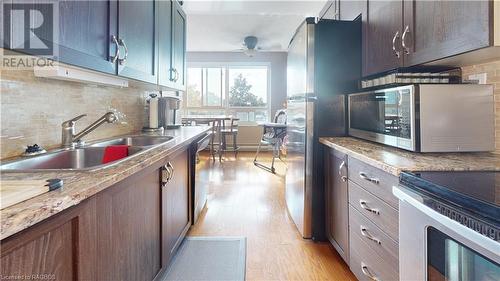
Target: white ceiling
x,y
219,26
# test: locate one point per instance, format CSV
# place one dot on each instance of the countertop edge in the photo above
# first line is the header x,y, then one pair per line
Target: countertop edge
x,y
13,220
396,171
395,161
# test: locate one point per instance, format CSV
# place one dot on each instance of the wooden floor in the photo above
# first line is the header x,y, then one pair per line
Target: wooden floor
x,y
247,201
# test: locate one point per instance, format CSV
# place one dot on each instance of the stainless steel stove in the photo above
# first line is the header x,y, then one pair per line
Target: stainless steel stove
x,y
449,226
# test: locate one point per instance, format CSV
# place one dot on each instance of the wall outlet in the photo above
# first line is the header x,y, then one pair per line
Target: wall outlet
x,y
481,77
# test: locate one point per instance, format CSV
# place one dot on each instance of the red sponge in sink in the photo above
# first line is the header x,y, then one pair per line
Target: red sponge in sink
x,y
114,152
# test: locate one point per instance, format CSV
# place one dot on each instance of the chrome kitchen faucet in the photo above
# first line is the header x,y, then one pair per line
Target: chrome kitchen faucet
x,y
72,140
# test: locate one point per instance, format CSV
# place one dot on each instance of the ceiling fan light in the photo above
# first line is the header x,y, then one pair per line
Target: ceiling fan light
x,y
250,52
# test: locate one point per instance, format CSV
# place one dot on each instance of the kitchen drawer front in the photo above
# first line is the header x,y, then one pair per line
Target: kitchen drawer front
x,y
376,210
367,265
374,237
374,180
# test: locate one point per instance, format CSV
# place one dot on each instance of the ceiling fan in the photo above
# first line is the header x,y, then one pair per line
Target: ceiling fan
x,y
250,46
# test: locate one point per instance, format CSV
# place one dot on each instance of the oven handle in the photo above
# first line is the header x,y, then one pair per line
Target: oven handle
x,y
408,196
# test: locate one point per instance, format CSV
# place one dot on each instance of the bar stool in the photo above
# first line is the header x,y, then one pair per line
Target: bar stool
x,y
230,129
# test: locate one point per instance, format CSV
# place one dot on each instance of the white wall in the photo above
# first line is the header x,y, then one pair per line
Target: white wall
x,y
249,136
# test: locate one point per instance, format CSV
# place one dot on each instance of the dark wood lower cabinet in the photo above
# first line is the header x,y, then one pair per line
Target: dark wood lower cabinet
x,y
130,231
61,248
336,202
176,209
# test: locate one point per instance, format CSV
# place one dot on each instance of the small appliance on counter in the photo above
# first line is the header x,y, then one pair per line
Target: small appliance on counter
x,y
163,113
449,226
152,124
426,117
168,112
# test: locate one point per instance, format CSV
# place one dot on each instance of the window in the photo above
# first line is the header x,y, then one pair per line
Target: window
x,y
241,91
205,87
248,87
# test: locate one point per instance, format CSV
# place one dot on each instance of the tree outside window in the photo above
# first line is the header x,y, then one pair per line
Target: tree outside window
x,y
240,91
241,95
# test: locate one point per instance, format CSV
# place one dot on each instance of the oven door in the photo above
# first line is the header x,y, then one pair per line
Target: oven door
x,y
384,116
434,247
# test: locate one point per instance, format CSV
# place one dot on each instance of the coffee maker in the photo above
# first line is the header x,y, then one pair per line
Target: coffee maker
x,y
168,112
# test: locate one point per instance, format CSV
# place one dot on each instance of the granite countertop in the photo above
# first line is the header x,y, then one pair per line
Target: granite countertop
x,y
80,185
394,160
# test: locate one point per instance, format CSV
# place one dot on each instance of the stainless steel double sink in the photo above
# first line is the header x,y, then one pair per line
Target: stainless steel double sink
x,y
86,158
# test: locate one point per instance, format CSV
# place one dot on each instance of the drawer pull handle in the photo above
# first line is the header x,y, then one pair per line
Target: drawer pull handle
x,y
366,234
367,178
365,206
367,272
342,166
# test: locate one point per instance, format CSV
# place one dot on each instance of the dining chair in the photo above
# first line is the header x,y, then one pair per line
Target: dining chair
x,y
212,143
230,129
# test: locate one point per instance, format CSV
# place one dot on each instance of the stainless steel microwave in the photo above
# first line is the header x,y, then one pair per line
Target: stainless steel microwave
x,y
426,118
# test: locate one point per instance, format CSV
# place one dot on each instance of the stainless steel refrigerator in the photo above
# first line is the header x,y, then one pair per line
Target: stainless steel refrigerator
x,y
323,64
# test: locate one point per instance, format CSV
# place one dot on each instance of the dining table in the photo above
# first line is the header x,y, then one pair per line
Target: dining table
x,y
216,121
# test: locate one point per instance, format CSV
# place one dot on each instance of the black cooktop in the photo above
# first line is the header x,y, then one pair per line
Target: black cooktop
x,y
474,192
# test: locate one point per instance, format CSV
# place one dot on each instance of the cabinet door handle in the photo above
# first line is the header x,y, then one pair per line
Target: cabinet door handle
x,y
366,234
172,71
367,272
165,178
342,166
123,60
117,52
169,165
176,77
396,35
367,178
403,40
365,206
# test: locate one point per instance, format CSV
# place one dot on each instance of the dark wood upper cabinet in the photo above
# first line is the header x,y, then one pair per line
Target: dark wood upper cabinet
x,y
128,228
176,205
85,29
178,46
137,23
83,38
336,202
438,29
172,45
143,40
383,36
451,33
165,71
60,248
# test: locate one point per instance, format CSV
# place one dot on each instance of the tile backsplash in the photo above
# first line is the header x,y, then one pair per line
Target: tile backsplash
x,y
32,110
492,70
